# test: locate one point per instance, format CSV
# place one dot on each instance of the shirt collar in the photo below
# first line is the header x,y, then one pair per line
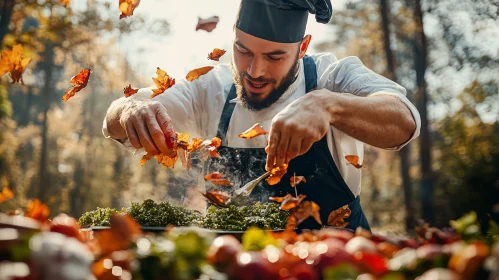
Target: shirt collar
x,y
290,89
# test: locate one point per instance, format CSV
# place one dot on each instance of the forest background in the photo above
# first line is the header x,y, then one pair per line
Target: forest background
x,y
445,53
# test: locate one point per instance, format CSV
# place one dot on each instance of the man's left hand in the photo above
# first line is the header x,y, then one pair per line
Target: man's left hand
x,y
294,129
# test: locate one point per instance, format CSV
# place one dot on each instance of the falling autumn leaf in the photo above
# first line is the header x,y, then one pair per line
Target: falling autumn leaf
x,y
280,199
214,175
6,194
216,54
295,180
183,137
292,202
254,131
301,213
336,217
217,198
276,174
166,161
12,62
79,82
37,210
353,160
195,144
207,24
212,146
196,73
65,2
127,7
129,91
162,82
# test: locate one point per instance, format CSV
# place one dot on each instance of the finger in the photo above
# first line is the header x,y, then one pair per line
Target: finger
x,y
272,148
294,147
145,138
306,144
157,135
282,148
132,136
166,126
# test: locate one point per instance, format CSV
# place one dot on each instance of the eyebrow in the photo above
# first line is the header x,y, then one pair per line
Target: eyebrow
x,y
274,52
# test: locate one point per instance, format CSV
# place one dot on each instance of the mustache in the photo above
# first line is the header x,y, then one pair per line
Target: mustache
x,y
257,80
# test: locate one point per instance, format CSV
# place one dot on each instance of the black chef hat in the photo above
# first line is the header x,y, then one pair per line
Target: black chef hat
x,y
282,21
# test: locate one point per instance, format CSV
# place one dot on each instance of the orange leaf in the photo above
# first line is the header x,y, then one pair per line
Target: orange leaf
x,y
216,54
6,194
162,82
253,131
37,210
196,73
217,198
302,212
65,2
280,198
145,158
195,144
166,161
214,175
353,160
295,180
336,217
183,137
276,174
207,24
292,202
129,91
79,82
12,62
127,7
212,146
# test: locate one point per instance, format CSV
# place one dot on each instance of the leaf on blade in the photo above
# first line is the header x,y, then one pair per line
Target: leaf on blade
x,y
217,198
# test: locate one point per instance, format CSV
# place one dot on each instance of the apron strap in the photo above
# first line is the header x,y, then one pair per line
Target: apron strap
x,y
223,125
310,73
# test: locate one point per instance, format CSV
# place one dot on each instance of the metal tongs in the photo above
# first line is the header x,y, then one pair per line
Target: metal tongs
x,y
240,195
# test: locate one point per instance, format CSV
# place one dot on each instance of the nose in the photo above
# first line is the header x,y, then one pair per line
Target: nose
x,y
256,68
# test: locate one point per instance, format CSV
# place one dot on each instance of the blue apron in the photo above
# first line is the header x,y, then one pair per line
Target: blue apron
x,y
324,185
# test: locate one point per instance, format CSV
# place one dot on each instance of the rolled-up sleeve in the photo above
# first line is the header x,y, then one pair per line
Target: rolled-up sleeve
x,y
350,75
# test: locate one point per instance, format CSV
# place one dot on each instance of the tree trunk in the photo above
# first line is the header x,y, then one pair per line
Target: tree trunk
x,y
404,153
47,90
420,63
5,15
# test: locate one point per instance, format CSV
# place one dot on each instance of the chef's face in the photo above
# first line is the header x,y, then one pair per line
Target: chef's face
x,y
263,70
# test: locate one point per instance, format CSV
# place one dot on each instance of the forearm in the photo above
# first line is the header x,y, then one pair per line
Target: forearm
x,y
382,121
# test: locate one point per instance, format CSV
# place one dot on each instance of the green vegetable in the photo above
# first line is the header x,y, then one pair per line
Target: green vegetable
x,y
233,218
151,214
98,217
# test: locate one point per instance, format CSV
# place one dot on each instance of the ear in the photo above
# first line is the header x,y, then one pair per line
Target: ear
x,y
304,45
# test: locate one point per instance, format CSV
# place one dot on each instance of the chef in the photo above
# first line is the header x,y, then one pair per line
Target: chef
x,y
316,108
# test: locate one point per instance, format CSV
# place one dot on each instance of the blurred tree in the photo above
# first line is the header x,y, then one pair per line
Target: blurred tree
x,y
468,160
404,152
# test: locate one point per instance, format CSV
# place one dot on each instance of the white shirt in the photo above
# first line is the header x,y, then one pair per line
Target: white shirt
x,y
195,107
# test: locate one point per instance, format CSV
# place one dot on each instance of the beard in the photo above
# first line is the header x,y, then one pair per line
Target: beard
x,y
274,95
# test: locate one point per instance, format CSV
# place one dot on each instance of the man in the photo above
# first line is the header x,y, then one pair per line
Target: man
x,y
316,108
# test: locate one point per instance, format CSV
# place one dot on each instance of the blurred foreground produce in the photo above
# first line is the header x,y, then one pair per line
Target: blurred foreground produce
x,y
58,249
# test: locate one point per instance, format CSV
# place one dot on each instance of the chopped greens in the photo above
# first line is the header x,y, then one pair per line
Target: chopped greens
x,y
233,218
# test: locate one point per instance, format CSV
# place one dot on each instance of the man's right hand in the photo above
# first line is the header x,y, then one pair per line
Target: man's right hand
x,y
145,123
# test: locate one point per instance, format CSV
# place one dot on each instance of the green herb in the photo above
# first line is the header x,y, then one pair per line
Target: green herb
x,y
98,217
233,218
